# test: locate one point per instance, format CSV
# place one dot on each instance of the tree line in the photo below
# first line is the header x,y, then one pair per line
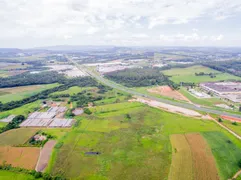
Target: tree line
x,y
139,77
26,79
66,84
232,67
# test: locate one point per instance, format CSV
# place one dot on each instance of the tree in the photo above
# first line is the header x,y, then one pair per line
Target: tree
x,y
220,120
87,111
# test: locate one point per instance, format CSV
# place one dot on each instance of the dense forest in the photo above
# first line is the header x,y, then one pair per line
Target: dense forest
x,y
32,79
66,84
139,77
232,67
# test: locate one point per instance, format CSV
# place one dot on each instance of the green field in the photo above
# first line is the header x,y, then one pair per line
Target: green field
x,y
178,75
23,110
16,136
205,101
3,124
127,143
7,175
226,153
18,93
235,128
74,90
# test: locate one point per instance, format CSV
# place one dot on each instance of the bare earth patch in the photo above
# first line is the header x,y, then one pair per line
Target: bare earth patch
x,y
168,107
24,157
45,154
168,92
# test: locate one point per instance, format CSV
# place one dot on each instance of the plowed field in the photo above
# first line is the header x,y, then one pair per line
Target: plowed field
x,y
24,157
192,159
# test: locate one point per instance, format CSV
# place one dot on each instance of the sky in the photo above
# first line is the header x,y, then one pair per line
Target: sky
x,y
36,23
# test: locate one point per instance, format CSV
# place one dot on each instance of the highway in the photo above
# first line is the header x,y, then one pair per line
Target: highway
x,y
130,91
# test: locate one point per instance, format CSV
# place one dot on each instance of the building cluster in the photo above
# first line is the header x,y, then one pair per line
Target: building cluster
x,y
227,90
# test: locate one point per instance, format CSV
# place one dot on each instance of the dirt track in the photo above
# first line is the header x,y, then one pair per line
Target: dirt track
x,y
45,154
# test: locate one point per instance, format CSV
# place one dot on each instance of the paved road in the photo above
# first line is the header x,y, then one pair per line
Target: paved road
x,y
130,91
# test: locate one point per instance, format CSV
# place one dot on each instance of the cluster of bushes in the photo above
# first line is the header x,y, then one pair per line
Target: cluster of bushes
x,y
13,124
35,174
212,75
39,143
140,77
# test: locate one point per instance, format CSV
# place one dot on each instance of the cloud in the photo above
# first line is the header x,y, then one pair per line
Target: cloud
x,y
217,38
190,37
63,19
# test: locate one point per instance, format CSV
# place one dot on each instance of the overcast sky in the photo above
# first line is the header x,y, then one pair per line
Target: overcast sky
x,y
34,23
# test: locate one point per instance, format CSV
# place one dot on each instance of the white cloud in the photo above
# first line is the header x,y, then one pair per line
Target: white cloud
x,y
190,37
217,38
64,19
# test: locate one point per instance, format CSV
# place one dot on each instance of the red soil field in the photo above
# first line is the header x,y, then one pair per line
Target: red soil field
x,y
168,92
24,157
231,118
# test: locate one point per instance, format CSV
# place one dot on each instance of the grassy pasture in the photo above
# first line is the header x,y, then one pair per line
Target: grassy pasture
x,y
23,110
16,136
235,128
74,90
18,93
3,124
7,175
181,167
226,153
188,75
127,143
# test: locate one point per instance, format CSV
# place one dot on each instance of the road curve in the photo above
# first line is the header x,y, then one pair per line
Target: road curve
x,y
130,91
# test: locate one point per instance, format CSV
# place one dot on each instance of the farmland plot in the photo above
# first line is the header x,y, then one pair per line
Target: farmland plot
x,y
168,92
192,158
16,136
24,157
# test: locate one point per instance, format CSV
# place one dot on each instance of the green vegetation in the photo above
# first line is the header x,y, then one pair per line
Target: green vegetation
x,y
27,79
236,128
187,75
82,82
3,124
206,102
16,136
140,77
8,175
23,110
128,136
232,67
74,90
13,124
226,153
18,93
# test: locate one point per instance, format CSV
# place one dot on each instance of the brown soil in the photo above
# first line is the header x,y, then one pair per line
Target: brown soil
x,y
168,92
24,157
191,158
203,161
45,155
